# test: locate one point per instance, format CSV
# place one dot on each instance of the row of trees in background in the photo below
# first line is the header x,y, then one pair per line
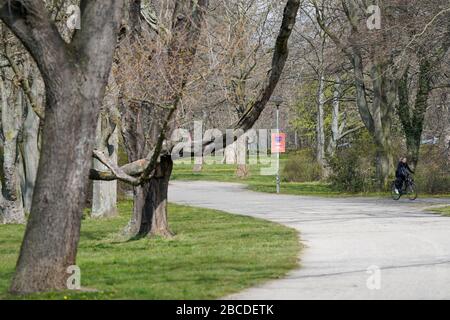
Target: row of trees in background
x,y
359,77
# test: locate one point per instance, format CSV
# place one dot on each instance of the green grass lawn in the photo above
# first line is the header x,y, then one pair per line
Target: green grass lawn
x,y
255,180
213,254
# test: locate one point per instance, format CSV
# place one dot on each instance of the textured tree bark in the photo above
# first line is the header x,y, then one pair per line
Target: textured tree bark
x,y
320,130
51,238
413,150
104,194
377,115
335,130
338,125
11,209
75,78
150,204
383,107
132,229
412,117
133,132
29,152
29,146
149,210
159,186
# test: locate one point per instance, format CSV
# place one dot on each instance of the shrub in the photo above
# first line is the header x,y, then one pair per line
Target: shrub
x,y
433,170
302,167
352,168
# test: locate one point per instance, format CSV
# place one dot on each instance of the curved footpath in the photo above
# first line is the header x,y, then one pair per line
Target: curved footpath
x,y
355,248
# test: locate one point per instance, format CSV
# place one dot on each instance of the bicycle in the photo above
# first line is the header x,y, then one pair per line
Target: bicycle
x,y
408,188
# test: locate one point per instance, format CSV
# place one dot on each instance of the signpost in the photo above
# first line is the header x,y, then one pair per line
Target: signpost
x,y
278,140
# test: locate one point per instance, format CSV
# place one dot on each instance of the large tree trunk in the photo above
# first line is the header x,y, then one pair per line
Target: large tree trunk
x,y
150,199
150,204
75,78
413,150
133,227
384,163
159,186
412,118
382,109
51,239
377,115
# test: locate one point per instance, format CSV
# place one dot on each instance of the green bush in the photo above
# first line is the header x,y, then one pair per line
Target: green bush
x,y
302,167
433,171
352,168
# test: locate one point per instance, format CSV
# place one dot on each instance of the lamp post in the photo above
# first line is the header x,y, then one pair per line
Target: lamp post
x,y
278,101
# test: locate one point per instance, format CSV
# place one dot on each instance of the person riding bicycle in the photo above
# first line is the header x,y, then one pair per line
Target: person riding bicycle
x,y
401,174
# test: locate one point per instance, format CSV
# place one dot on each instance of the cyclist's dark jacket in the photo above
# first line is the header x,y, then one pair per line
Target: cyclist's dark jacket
x,y
403,170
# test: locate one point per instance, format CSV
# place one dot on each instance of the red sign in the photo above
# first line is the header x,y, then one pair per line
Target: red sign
x,y
278,142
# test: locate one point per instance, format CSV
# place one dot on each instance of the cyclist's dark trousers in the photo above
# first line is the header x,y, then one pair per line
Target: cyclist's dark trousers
x,y
399,182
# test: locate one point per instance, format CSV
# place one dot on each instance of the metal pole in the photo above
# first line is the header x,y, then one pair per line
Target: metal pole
x,y
278,153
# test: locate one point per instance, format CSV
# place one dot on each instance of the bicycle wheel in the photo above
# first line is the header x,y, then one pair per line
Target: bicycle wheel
x,y
411,191
395,195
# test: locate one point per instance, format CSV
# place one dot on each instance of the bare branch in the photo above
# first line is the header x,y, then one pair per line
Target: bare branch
x,y
116,171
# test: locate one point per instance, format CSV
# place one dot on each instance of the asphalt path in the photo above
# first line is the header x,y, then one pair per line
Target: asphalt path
x,y
354,248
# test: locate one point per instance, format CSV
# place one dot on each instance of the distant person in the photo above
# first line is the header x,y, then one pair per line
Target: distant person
x,y
402,172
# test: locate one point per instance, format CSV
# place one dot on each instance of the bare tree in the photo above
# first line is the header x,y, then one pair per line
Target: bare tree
x,y
157,165
164,55
426,52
